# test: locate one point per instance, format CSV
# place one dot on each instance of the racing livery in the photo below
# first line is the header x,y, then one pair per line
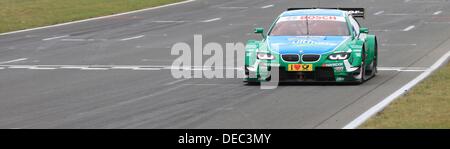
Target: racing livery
x,y
313,44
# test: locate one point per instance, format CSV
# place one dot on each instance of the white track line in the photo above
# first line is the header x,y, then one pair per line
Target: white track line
x,y
131,38
57,37
437,12
211,20
137,68
402,69
41,68
72,67
89,68
73,39
86,20
385,102
409,28
396,14
115,67
124,67
268,6
151,67
233,7
169,21
20,67
176,81
12,61
378,13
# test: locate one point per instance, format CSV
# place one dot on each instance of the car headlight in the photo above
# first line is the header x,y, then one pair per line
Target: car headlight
x,y
265,56
339,56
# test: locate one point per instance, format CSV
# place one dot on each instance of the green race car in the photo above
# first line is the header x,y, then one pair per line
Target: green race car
x,y
313,45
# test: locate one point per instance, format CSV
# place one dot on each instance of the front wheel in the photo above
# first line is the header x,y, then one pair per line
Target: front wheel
x,y
362,71
373,68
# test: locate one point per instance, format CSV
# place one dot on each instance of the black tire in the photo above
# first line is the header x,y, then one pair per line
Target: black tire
x,y
252,83
375,66
363,67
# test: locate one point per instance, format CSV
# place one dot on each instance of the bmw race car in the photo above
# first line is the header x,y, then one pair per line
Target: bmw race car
x,y
313,44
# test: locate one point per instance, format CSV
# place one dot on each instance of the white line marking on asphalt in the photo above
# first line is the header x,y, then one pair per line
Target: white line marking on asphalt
x,y
72,67
233,7
268,6
437,12
12,61
378,13
103,17
396,14
409,28
124,67
386,101
211,20
57,37
42,68
150,67
138,68
73,39
89,68
116,67
166,21
176,81
131,38
19,67
403,69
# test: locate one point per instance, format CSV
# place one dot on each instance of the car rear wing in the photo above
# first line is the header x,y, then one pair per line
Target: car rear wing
x,y
355,12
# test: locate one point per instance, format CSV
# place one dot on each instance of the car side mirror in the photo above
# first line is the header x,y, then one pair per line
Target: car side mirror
x,y
364,30
260,31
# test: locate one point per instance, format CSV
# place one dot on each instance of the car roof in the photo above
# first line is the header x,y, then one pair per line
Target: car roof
x,y
316,12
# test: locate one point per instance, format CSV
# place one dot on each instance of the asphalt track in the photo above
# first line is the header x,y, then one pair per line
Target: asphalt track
x,y
69,93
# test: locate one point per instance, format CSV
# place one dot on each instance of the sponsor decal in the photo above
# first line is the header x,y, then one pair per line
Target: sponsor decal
x,y
303,42
340,79
300,67
339,69
333,65
309,18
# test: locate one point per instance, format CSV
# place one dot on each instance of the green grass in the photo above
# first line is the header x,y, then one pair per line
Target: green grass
x,y
425,106
23,14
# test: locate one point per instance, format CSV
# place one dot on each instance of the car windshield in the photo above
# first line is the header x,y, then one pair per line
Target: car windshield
x,y
310,26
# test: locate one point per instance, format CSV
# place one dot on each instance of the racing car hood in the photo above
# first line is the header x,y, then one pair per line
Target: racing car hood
x,y
305,44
